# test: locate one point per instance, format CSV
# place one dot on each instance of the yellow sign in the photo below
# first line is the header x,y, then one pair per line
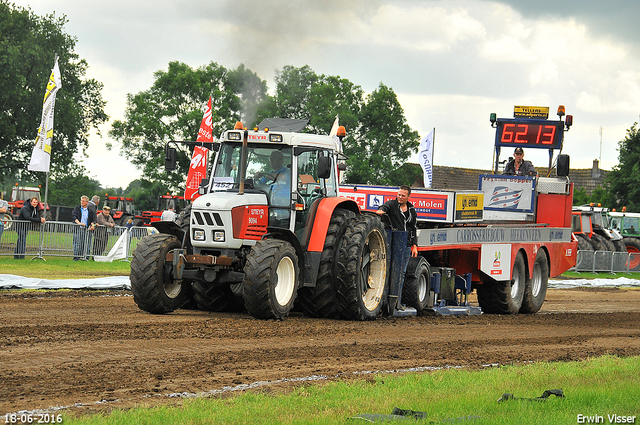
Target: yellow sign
x,y
469,206
531,112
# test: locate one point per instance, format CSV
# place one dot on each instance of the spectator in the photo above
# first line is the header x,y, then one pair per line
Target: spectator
x,y
93,203
403,217
168,214
4,207
28,213
86,219
105,226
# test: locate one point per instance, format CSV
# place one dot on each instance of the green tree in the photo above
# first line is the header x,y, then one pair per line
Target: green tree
x,y
624,178
145,194
378,140
384,142
301,94
68,188
172,109
27,46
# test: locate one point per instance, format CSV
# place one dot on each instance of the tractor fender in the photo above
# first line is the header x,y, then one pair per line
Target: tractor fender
x,y
321,217
170,228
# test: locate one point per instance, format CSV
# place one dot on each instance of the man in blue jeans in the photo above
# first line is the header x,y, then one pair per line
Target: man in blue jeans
x,y
403,217
86,219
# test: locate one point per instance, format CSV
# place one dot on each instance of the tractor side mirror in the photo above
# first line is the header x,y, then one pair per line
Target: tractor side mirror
x,y
324,167
170,159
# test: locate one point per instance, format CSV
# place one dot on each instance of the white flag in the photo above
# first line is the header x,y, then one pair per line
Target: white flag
x,y
425,156
334,133
41,156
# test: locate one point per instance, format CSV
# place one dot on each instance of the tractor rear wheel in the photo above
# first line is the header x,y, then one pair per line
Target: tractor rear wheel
x,y
633,248
504,296
620,246
272,277
584,243
601,243
361,282
535,288
416,290
154,289
320,301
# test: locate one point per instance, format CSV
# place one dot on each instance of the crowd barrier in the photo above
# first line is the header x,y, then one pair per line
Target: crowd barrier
x,y
63,239
606,261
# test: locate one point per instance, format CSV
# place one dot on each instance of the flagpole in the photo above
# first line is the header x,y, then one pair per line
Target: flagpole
x,y
433,148
46,196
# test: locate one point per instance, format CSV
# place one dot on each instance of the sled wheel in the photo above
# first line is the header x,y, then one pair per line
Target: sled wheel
x,y
504,296
417,288
535,289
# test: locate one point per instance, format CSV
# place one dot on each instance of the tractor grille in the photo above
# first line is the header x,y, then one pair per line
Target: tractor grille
x,y
208,218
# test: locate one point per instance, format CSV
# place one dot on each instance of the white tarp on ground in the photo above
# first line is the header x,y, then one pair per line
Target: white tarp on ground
x,y
594,283
8,281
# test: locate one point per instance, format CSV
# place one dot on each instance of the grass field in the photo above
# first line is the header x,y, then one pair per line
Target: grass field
x,y
596,388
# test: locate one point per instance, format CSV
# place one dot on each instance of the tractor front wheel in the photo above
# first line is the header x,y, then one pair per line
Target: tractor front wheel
x,y
153,287
272,277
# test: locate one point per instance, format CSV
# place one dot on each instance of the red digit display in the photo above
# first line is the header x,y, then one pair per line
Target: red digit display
x,y
529,134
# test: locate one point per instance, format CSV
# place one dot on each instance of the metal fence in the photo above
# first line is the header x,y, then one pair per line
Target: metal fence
x,y
63,239
605,261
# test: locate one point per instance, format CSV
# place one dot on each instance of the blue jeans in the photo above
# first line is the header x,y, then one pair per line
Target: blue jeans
x,y
79,242
21,245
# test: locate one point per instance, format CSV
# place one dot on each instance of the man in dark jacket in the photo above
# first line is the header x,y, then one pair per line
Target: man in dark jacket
x,y
86,219
403,217
518,166
28,214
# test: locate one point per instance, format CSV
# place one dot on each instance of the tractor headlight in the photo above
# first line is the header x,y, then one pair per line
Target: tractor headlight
x,y
218,236
198,235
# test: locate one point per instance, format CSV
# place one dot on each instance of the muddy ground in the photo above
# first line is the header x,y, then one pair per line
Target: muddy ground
x,y
96,351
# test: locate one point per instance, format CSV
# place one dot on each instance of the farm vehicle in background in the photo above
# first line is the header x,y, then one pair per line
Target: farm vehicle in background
x,y
122,210
178,203
591,226
273,229
20,195
628,224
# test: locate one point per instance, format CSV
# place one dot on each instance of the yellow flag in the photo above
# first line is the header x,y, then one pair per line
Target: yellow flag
x,y
41,156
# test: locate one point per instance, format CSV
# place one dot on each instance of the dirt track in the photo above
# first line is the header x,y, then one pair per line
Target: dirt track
x,y
66,347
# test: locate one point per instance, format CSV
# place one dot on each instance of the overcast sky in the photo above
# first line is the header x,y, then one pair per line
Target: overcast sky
x,y
451,62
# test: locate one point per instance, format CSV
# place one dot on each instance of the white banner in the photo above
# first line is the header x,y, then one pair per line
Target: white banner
x,y
41,156
425,156
118,252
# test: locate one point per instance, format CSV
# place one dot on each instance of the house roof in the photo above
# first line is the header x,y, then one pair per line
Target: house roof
x,y
455,178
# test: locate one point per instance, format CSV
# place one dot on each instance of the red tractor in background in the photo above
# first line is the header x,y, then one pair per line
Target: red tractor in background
x,y
20,195
122,210
164,202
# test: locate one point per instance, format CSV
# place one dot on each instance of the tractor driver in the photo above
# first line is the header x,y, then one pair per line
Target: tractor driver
x,y
278,180
276,159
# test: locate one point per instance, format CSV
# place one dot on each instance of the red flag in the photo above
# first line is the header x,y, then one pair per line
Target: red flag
x,y
198,167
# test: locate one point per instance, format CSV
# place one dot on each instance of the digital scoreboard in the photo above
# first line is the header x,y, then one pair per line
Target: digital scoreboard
x,y
532,133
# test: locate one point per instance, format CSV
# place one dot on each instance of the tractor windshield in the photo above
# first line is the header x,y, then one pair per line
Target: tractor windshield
x,y
268,167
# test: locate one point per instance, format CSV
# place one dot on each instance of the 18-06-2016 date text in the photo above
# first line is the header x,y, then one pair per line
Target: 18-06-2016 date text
x,y
32,418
